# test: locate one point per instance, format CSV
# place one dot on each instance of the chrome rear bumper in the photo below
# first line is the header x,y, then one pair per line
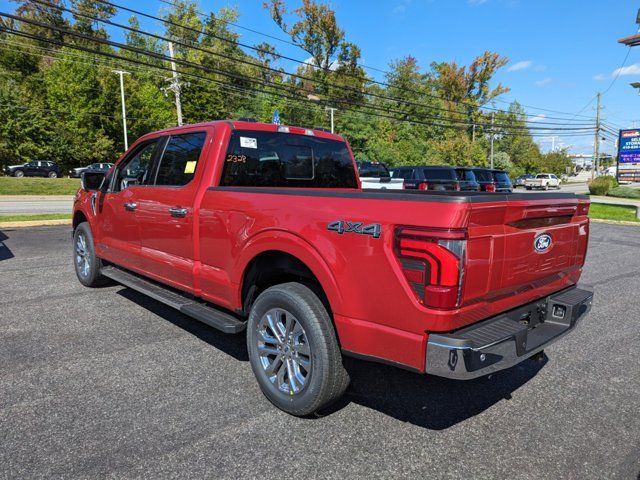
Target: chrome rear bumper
x,y
508,339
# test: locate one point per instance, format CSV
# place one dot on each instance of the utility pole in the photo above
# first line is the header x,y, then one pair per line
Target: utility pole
x,y
492,135
473,133
121,73
330,110
596,143
175,85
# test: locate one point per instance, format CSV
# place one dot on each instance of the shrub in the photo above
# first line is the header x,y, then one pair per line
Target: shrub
x,y
624,192
601,185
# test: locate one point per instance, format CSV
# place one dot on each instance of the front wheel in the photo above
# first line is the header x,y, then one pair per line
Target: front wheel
x,y
18,173
86,263
293,350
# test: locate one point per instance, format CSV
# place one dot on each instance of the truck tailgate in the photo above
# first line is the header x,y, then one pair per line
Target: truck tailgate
x,y
524,244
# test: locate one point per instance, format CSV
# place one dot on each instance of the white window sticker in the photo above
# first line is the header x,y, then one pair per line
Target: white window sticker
x,y
248,142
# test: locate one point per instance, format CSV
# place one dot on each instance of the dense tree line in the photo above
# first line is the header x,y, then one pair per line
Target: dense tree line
x,y
59,97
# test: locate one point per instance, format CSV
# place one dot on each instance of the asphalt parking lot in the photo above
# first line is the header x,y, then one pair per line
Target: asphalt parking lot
x,y
108,383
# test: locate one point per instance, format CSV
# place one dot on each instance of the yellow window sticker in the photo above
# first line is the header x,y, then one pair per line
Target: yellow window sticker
x,y
190,167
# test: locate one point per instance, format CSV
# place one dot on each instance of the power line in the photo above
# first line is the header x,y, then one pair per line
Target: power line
x,y
257,64
301,62
255,81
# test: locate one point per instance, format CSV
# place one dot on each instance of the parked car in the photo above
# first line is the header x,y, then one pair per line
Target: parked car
x,y
467,179
438,178
520,181
502,181
94,167
376,175
313,268
485,179
35,168
543,181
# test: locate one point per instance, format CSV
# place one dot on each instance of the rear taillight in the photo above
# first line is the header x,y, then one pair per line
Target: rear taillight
x,y
423,186
491,187
432,262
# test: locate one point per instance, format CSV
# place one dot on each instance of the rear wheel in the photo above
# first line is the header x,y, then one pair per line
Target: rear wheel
x,y
86,264
53,175
18,173
293,350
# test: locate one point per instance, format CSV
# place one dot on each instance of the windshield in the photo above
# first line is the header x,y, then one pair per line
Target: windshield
x,y
439,173
501,177
376,170
483,175
465,175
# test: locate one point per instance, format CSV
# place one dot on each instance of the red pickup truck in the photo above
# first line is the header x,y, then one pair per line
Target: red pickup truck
x,y
245,225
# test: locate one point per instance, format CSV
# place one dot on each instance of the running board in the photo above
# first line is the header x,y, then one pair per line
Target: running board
x,y
213,317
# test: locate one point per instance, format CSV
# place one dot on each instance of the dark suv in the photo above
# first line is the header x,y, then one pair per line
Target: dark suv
x,y
428,178
34,168
492,180
467,179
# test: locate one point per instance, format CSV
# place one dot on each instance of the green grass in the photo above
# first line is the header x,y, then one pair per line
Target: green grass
x,y
25,218
624,192
613,212
38,186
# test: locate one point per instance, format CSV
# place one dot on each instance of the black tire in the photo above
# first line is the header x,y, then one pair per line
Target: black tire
x,y
327,379
52,175
528,188
18,173
87,271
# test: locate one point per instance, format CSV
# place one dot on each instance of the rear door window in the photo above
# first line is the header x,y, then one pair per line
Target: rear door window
x,y
274,159
180,159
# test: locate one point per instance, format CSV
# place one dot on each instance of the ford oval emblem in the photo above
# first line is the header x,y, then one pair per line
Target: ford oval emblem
x,y
542,243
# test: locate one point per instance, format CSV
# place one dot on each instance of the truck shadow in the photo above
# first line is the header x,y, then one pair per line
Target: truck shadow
x,y
5,252
426,401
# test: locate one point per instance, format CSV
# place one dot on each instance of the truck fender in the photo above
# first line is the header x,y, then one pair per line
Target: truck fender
x,y
286,242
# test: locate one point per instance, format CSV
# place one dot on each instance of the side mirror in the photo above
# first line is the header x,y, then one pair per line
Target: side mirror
x,y
90,181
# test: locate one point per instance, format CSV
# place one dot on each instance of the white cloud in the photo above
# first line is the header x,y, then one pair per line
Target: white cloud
x,y
476,2
630,70
600,77
543,83
538,118
523,65
399,9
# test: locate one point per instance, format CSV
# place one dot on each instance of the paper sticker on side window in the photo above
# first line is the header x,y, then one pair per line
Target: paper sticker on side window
x,y
248,142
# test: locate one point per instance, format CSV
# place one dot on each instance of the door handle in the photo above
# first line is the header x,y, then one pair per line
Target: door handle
x,y
130,206
178,212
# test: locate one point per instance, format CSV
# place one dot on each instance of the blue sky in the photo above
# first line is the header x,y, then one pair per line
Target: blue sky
x,y
561,52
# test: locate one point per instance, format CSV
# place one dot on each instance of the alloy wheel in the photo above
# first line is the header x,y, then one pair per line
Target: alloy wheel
x,y
83,256
284,351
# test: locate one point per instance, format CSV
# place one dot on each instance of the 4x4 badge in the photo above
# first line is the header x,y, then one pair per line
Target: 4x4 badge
x,y
343,226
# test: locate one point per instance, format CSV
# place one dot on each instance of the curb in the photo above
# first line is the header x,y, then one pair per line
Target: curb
x,y
611,222
35,223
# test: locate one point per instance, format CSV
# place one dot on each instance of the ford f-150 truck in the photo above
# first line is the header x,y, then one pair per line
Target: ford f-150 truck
x,y
264,228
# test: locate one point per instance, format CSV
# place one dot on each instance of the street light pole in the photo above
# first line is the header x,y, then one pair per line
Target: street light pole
x,y
596,144
330,110
122,73
492,135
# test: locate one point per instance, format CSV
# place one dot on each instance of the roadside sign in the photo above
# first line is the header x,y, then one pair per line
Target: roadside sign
x,y
629,155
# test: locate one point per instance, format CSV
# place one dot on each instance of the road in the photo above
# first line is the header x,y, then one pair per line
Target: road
x,y
108,383
33,205
566,187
